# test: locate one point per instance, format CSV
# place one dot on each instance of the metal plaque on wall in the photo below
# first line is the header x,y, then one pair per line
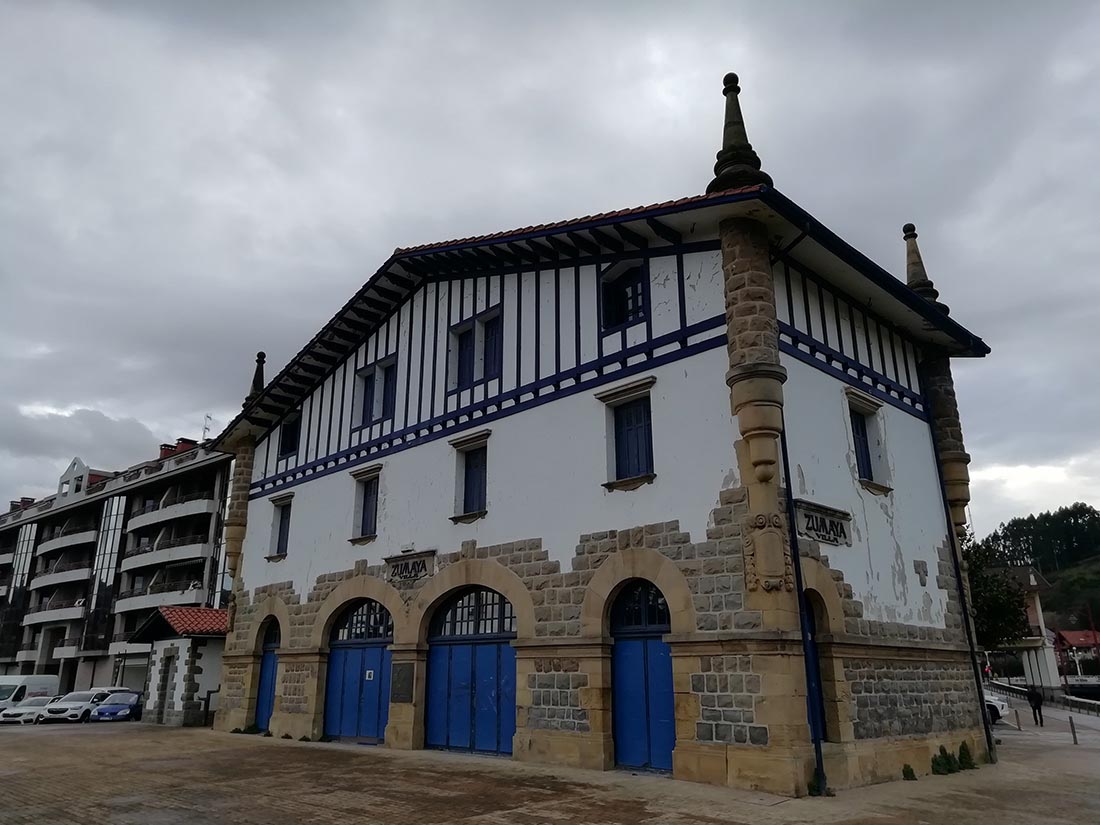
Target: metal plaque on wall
x,y
401,682
408,567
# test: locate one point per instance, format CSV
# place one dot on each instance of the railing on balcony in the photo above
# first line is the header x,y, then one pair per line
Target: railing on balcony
x,y
122,637
178,541
151,507
175,586
72,641
76,528
28,646
5,581
203,495
57,604
65,567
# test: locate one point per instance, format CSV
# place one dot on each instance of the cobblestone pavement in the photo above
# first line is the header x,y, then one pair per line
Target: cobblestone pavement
x,y
130,774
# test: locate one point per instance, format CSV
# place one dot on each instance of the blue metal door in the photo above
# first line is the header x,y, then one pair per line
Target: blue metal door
x,y
643,708
471,693
269,670
357,691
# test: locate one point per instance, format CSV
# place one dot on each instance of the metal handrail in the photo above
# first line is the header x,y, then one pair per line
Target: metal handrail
x,y
52,605
182,541
79,528
200,496
182,586
28,646
122,637
151,507
70,642
67,566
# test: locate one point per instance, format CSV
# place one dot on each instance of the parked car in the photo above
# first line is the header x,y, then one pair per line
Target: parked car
x,y
996,708
15,689
27,712
74,707
119,707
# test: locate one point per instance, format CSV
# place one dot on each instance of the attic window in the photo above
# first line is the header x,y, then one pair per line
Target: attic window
x,y
289,435
623,296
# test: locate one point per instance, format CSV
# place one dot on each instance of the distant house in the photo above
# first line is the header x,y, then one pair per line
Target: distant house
x,y
185,663
1078,645
1037,649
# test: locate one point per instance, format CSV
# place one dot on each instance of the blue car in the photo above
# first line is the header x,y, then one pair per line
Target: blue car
x,y
119,707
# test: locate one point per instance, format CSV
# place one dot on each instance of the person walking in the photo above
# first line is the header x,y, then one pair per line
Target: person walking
x,y
1035,699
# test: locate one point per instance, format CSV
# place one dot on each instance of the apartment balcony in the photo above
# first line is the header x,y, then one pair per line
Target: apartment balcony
x,y
5,585
68,538
70,571
120,646
162,594
181,548
66,649
28,652
193,504
56,611
7,557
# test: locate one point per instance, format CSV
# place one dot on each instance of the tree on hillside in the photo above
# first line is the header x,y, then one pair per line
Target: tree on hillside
x,y
1052,540
999,602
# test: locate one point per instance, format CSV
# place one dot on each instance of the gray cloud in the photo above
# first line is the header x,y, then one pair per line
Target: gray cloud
x,y
182,184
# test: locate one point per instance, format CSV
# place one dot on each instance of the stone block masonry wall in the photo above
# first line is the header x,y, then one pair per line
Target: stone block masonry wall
x,y
901,698
556,688
727,689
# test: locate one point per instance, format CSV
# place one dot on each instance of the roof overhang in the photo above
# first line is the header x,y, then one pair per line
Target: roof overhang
x,y
668,224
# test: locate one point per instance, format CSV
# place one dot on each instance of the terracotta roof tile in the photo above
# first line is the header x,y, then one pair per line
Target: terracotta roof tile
x,y
197,621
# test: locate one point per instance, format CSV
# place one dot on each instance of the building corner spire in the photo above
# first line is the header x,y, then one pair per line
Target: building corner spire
x,y
916,277
737,165
257,378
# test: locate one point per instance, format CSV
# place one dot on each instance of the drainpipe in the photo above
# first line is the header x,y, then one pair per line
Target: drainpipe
x,y
814,696
956,554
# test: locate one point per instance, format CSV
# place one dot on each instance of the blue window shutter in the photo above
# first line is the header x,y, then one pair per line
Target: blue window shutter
x,y
389,390
466,359
369,526
473,484
368,397
284,530
493,349
633,439
863,446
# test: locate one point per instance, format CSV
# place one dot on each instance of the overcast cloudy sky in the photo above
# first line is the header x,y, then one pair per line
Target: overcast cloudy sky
x,y
183,183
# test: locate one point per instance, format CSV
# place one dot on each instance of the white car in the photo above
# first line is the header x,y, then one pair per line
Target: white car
x,y
74,707
27,712
996,708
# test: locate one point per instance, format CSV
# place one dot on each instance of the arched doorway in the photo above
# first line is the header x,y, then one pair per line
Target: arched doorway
x,y
643,708
269,669
357,690
817,617
471,694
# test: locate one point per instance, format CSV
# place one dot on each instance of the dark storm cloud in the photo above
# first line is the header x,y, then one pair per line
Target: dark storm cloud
x,y
182,184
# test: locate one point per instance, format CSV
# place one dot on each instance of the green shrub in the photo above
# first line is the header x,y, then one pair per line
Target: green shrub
x,y
252,729
286,736
267,733
326,738
305,739
966,758
939,765
236,730
907,773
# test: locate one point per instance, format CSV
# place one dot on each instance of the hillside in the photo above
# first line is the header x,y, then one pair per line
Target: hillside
x,y
1071,589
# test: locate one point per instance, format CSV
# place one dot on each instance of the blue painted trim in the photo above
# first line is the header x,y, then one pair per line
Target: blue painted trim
x,y
464,418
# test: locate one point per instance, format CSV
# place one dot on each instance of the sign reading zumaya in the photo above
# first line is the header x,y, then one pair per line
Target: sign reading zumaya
x,y
823,524
410,566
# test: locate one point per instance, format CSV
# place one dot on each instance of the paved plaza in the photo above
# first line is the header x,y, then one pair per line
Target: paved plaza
x,y
135,774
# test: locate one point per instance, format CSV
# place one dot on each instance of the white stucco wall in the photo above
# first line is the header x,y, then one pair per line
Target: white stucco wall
x,y
546,466
889,532
210,660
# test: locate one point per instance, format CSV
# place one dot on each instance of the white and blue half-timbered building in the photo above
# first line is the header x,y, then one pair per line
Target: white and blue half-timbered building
x,y
674,487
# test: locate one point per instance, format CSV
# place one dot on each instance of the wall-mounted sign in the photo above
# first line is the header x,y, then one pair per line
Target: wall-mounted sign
x,y
409,567
823,524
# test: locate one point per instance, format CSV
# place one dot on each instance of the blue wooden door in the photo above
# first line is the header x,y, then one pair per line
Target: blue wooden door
x,y
643,707
357,690
357,695
265,694
471,693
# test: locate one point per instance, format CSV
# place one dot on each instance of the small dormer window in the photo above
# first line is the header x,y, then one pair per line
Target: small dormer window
x,y
289,435
78,483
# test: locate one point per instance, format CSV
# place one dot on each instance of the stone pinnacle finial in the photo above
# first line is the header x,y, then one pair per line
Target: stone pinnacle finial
x,y
915,275
738,165
257,378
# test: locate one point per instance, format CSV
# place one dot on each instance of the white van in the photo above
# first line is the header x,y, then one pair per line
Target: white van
x,y
14,689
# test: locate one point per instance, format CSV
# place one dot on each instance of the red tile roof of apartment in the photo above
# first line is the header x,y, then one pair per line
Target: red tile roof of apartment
x,y
197,621
1080,638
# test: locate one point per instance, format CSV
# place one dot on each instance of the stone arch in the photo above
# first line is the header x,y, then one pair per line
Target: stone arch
x,y
636,563
816,577
271,607
353,589
483,572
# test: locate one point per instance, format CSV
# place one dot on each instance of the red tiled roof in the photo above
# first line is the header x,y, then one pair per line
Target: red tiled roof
x,y
602,216
1080,638
197,621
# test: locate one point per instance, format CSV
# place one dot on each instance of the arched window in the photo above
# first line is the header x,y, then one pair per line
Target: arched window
x,y
363,621
272,635
640,609
477,611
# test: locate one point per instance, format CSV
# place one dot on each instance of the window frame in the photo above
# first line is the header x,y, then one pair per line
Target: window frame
x,y
284,451
637,271
366,479
874,462
381,377
280,527
614,399
628,465
482,370
465,447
